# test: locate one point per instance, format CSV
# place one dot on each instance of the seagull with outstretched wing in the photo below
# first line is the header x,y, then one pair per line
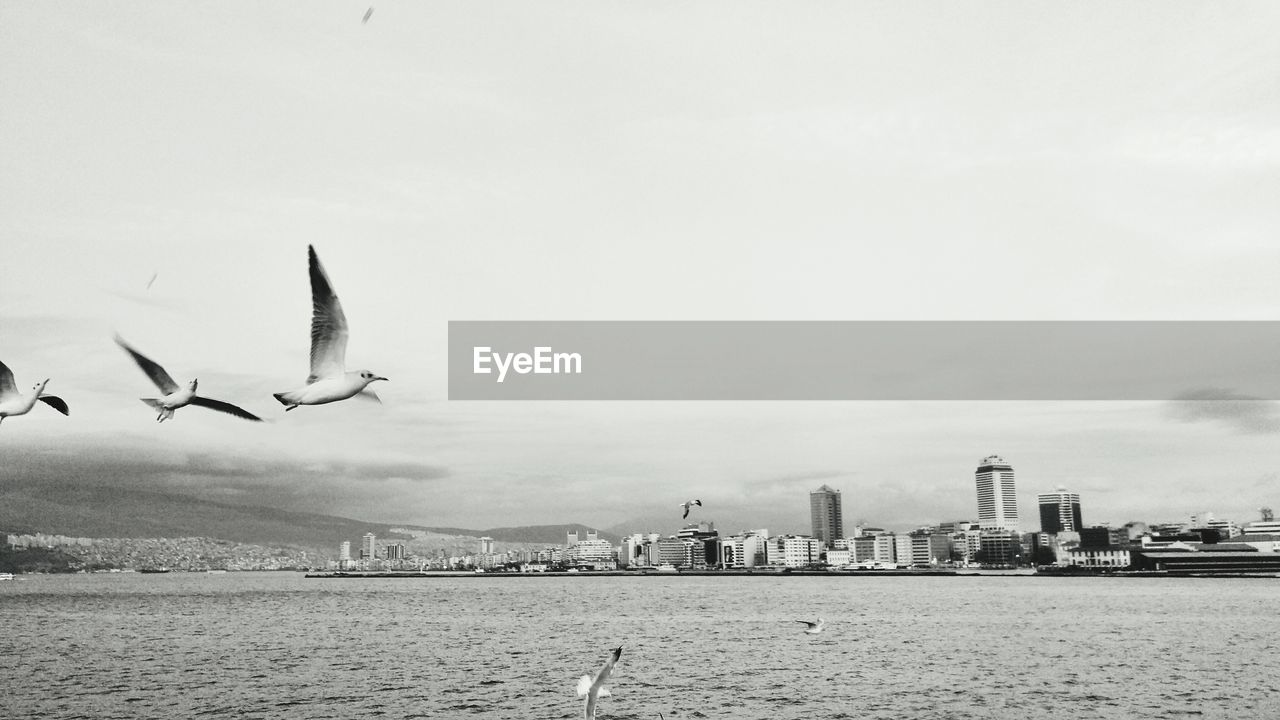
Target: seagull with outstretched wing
x,y
329,381
14,403
686,505
594,689
813,628
174,396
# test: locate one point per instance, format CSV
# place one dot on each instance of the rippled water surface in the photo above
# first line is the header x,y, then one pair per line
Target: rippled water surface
x,y
275,645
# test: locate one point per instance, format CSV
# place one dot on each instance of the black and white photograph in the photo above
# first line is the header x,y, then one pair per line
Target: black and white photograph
x,y
641,361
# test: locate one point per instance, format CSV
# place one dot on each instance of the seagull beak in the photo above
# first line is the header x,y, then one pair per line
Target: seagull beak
x,y
379,378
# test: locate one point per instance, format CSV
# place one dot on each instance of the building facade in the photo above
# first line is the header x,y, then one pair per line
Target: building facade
x,y
1060,512
997,497
827,516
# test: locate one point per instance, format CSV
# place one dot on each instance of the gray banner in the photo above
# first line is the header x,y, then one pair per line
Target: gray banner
x,y
864,360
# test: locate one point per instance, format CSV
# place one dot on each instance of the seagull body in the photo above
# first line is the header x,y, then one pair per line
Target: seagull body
x,y
368,14
13,403
595,689
813,627
686,505
175,396
329,381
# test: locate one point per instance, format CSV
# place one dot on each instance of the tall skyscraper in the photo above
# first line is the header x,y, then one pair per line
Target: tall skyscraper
x,y
824,511
1060,512
997,499
486,545
368,547
344,551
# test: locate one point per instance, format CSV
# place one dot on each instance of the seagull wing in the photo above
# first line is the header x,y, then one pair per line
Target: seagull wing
x,y
607,669
7,387
56,403
328,325
224,407
153,371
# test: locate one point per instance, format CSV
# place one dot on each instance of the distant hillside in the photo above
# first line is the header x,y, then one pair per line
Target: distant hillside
x,y
107,512
545,534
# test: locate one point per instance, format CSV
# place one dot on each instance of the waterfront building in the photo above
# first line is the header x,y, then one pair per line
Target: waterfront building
x,y
902,549
794,551
928,548
368,547
730,553
755,548
1000,548
1271,527
1060,511
486,545
344,551
1203,561
1112,557
701,538
826,515
571,539
883,547
596,554
839,558
864,549
997,497
394,551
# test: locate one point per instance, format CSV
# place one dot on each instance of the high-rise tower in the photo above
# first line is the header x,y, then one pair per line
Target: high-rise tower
x,y
997,499
824,510
1060,512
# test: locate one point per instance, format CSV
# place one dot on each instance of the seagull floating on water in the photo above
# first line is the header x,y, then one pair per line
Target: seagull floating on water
x,y
13,403
686,505
329,381
814,627
174,396
595,689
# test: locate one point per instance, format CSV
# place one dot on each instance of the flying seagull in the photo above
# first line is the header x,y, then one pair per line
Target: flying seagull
x,y
176,397
14,403
686,505
329,381
813,627
595,689
368,14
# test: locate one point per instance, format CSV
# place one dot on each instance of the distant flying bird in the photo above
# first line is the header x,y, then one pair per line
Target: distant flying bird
x,y
153,279
13,403
329,381
174,396
686,505
368,14
813,627
595,689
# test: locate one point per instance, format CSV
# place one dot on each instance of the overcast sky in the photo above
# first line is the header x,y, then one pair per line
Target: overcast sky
x,y
626,161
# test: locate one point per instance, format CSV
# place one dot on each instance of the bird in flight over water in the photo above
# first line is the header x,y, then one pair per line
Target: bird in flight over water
x,y
595,689
329,381
368,14
813,627
13,403
686,505
177,397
